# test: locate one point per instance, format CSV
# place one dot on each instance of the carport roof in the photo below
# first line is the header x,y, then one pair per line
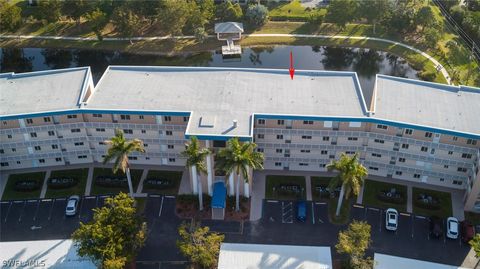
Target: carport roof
x,y
383,261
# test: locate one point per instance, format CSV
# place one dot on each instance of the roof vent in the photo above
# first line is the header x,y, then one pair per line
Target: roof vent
x,y
235,123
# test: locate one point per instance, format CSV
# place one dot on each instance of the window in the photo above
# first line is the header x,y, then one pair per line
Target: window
x,y
38,148
324,152
322,165
303,164
306,137
51,133
373,168
19,162
326,138
29,121
132,158
2,151
167,118
172,160
101,143
278,150
401,160
143,131
445,166
41,161
4,122
328,124
3,164
305,151
353,138
46,119
170,146
97,115
349,152
145,145
416,175
450,153
71,116
278,164
381,126
128,131
377,155
168,133
261,136
354,124
310,122
75,130
185,119
455,138
424,149
101,130
9,136
279,136
462,169
78,144
261,121
380,141
125,117
428,134
405,146
14,150
140,117
398,173
82,156
58,159
471,142
259,149
408,131
280,122
147,158
442,179
33,134
54,146
466,155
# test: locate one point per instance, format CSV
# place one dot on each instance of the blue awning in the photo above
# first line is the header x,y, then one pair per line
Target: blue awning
x,y
219,195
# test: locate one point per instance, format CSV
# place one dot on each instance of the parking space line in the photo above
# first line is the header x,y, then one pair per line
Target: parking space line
x,y
169,197
161,207
51,210
413,224
381,217
374,209
32,201
8,211
36,211
405,214
21,213
358,206
4,202
320,203
89,197
19,202
420,217
313,214
61,199
104,196
46,200
272,201
81,207
154,195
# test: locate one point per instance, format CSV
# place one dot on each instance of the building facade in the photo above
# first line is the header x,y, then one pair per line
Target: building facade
x,y
412,131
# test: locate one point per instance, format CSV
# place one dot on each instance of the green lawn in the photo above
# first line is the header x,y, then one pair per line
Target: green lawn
x,y
79,189
291,11
277,180
96,190
174,176
319,181
11,194
373,188
445,198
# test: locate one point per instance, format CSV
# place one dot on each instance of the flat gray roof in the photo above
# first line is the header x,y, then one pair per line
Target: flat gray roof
x,y
429,104
218,96
42,91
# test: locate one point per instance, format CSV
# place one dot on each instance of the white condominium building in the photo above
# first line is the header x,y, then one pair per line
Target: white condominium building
x,y
412,131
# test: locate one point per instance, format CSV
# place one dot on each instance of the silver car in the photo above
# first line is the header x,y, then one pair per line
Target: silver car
x,y
391,219
72,205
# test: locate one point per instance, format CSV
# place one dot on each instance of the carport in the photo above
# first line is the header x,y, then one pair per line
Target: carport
x,y
383,261
218,200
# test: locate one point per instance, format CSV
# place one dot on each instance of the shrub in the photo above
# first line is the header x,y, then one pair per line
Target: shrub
x,y
61,183
391,199
315,18
159,184
26,185
427,75
257,14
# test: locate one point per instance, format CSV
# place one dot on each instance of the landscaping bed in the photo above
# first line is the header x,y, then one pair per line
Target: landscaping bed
x,y
385,195
75,187
24,186
344,215
320,190
431,203
112,187
162,182
285,187
187,207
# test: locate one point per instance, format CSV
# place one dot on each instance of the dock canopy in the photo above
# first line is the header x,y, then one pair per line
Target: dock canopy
x,y
228,28
219,195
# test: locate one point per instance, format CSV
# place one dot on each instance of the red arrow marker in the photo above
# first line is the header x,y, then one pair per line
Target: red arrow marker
x,y
291,69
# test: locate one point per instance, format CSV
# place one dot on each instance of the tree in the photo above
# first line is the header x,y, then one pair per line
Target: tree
x,y
458,13
373,11
341,12
473,5
126,21
173,16
97,19
115,235
227,11
425,17
200,12
76,9
196,162
400,17
10,16
118,150
200,245
450,3
257,14
49,11
351,176
236,159
200,34
475,243
432,37
354,242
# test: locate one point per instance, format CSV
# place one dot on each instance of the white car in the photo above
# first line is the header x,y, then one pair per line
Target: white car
x,y
72,205
452,228
391,219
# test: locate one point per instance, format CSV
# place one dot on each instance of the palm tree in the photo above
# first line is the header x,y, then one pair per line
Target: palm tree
x,y
351,175
118,150
196,162
237,158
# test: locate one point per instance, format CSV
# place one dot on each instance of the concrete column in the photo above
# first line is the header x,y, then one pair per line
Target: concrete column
x,y
231,186
193,175
210,171
246,190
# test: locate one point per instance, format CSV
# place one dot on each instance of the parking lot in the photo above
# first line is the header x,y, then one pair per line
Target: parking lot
x,y
37,219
